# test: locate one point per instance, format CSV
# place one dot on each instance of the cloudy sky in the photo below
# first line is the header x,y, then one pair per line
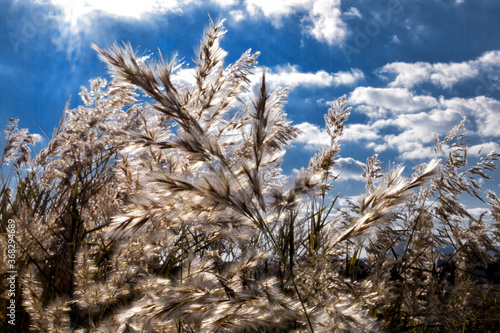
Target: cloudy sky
x,y
411,69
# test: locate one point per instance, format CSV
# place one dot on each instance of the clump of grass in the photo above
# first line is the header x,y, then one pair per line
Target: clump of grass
x,y
175,216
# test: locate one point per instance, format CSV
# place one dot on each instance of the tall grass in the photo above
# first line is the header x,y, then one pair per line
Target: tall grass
x,y
174,215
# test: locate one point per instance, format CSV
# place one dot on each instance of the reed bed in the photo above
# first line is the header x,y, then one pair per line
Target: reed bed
x,y
170,213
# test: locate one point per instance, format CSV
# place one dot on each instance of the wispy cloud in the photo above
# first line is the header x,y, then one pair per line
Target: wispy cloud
x,y
290,76
353,12
75,9
444,75
276,9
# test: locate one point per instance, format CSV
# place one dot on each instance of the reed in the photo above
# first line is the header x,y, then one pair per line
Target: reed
x,y
172,214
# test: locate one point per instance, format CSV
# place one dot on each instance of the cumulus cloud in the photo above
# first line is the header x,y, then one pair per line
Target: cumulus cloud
x,y
414,120
476,212
484,148
397,100
357,132
349,168
407,75
489,58
184,77
444,75
411,121
326,22
484,110
422,126
312,136
417,132
322,19
290,76
418,127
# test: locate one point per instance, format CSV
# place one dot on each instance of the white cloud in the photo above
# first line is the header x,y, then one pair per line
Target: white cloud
x,y
407,74
225,3
353,12
397,100
289,76
423,126
312,136
237,15
418,153
348,78
411,120
76,9
327,25
357,132
418,131
349,168
489,58
355,199
478,211
75,17
485,111
184,77
275,9
484,148
444,75
419,126
322,19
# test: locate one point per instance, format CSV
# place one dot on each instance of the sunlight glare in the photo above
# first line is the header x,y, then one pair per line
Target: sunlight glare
x,y
75,10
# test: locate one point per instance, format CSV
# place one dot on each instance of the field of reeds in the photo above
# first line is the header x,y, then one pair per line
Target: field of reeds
x,y
170,213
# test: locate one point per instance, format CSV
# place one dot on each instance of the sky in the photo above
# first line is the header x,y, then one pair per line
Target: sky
x,y
410,69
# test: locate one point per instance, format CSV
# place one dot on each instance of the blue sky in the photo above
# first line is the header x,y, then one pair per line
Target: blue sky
x,y
410,69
